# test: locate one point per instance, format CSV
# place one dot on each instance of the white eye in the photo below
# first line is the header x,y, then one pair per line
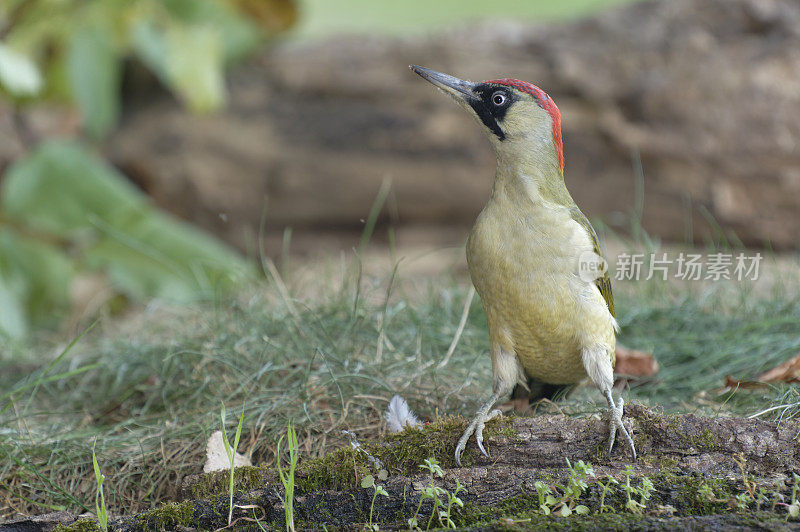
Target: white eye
x,y
499,98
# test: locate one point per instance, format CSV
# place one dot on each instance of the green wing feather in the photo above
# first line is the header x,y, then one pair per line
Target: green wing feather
x,y
603,283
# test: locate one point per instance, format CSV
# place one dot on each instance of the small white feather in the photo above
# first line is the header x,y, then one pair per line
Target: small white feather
x,y
399,416
217,459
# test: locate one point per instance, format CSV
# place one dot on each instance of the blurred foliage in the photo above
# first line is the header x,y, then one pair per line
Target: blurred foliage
x,y
74,50
66,215
66,212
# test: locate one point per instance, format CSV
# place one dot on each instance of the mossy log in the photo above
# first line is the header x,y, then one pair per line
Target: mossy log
x,y
707,472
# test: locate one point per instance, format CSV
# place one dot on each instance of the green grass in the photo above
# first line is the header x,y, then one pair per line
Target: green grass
x,y
99,501
324,17
230,451
151,390
287,477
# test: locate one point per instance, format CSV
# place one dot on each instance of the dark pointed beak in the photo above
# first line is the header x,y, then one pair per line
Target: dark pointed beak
x,y
458,88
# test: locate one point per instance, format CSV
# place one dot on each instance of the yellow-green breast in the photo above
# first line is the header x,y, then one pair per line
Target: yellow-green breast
x,y
523,261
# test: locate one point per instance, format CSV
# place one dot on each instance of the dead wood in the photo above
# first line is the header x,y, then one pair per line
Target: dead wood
x,y
698,466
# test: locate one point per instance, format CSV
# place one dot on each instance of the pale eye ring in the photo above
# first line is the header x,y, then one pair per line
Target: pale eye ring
x,y
499,98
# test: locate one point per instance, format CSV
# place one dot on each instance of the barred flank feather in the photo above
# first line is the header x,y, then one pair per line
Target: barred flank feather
x,y
399,415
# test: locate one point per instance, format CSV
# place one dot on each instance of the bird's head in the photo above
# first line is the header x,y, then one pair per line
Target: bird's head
x,y
516,115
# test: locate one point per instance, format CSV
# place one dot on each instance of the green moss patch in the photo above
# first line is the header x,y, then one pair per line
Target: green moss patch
x,y
81,525
167,516
246,478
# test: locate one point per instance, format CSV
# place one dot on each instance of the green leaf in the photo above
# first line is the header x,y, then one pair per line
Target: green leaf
x,y
94,76
60,186
35,278
67,193
195,67
581,510
150,45
565,511
18,74
367,482
13,320
238,32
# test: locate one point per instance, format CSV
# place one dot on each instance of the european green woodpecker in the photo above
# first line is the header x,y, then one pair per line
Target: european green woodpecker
x,y
533,256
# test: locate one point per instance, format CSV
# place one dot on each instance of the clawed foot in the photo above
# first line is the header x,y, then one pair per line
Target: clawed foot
x,y
616,423
477,427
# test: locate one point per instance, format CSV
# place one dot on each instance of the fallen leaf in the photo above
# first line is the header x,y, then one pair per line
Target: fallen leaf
x,y
217,457
731,383
789,371
634,363
517,404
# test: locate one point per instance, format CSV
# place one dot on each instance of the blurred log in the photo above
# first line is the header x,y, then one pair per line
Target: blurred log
x,y
704,92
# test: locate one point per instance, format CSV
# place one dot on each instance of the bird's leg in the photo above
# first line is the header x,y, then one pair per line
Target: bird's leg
x,y
505,368
476,426
597,362
616,423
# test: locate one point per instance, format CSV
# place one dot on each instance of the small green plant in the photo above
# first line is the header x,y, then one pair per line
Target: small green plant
x,y
369,482
437,494
287,478
445,516
574,488
794,505
258,521
607,487
707,493
567,503
99,498
749,485
644,491
231,452
546,499
739,502
761,498
431,491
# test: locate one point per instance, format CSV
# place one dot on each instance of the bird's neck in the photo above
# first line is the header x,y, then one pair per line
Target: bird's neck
x,y
528,172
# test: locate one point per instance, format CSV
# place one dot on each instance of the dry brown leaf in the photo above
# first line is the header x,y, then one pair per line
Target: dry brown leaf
x,y
270,15
789,371
731,384
634,363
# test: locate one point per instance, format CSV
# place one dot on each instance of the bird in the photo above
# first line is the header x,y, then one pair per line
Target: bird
x,y
534,258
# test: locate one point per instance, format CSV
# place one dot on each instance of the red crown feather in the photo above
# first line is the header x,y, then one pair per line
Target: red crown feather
x,y
546,103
